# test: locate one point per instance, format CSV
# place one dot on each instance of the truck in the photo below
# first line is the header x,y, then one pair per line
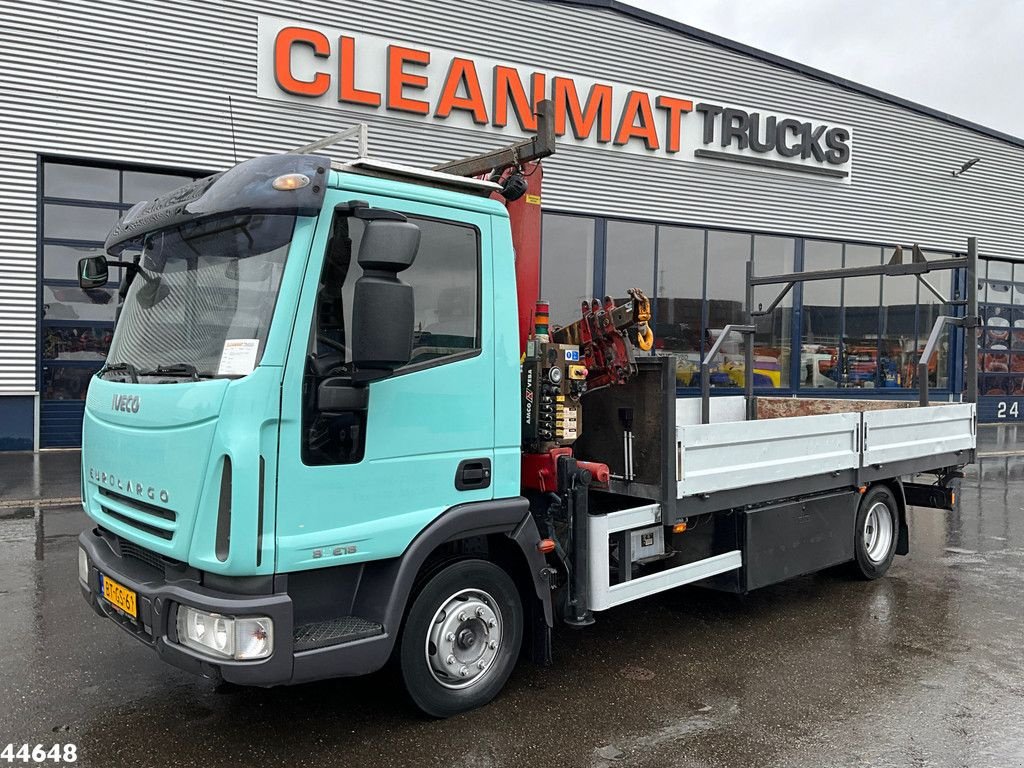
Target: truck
x,y
335,431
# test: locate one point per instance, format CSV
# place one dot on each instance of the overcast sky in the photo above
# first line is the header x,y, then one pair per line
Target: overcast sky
x,y
965,57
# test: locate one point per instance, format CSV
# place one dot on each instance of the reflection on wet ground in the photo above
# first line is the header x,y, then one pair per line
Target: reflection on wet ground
x,y
921,668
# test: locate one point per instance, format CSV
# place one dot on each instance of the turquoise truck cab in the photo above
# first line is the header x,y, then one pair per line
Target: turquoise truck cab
x,y
274,459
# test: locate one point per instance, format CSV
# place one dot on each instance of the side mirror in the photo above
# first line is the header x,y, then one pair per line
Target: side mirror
x,y
93,272
383,311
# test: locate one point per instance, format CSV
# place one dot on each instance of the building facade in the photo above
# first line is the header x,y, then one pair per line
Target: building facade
x,y
681,156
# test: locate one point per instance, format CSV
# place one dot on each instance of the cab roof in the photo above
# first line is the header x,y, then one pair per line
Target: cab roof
x,y
410,174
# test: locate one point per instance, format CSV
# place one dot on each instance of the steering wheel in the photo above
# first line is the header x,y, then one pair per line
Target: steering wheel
x,y
331,343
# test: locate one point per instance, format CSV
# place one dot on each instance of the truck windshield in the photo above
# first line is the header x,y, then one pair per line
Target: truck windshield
x,y
201,301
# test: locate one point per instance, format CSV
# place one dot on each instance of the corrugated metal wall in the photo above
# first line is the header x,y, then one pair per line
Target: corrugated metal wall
x,y
147,82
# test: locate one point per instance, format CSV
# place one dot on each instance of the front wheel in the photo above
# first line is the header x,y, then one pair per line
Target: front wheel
x,y
875,534
461,638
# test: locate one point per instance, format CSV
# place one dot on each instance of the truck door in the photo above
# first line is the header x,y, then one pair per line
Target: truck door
x,y
360,486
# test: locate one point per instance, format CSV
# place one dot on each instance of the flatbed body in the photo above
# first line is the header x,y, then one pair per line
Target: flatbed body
x,y
779,494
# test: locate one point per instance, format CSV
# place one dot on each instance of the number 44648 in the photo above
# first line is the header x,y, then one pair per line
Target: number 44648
x,y
26,753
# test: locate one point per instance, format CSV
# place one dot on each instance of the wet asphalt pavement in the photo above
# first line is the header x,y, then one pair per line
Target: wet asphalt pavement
x,y
922,668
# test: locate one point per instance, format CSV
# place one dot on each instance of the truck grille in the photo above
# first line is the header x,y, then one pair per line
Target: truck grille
x,y
129,550
143,509
135,552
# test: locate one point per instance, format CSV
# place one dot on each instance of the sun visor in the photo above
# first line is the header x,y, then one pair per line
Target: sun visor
x,y
246,188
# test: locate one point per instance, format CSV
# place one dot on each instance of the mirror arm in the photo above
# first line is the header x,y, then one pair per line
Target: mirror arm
x,y
340,394
362,210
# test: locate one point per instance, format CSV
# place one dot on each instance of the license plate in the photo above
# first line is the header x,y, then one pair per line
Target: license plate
x,y
120,596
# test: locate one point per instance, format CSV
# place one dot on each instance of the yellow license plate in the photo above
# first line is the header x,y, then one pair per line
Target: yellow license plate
x,y
120,596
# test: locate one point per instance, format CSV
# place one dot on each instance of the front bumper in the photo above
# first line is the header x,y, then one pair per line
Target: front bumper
x,y
158,601
159,595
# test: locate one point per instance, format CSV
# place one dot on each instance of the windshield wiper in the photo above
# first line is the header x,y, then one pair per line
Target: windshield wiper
x,y
177,369
132,372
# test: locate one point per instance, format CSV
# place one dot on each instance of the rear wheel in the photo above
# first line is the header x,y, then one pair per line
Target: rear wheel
x,y
461,638
876,532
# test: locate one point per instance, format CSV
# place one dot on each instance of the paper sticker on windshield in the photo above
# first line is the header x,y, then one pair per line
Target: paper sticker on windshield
x,y
238,357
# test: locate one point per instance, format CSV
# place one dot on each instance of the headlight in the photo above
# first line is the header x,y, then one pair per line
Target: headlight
x,y
83,566
230,637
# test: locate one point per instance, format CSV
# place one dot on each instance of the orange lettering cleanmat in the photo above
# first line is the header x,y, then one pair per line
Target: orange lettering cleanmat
x,y
347,90
462,76
287,39
675,108
509,87
399,79
598,110
638,105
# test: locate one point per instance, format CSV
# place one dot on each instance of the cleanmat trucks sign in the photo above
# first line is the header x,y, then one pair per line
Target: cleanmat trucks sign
x,y
338,68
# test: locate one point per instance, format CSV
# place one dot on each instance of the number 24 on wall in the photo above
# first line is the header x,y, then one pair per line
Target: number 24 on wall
x,y
1005,410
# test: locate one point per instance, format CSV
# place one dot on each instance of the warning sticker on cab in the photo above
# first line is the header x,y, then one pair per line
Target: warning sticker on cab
x,y
238,357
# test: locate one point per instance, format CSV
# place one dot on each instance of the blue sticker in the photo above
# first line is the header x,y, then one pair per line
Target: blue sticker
x,y
572,355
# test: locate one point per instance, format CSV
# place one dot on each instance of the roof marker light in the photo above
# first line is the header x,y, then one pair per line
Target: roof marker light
x,y
289,181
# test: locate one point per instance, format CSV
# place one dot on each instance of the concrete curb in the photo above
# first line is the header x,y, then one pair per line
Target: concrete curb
x,y
59,502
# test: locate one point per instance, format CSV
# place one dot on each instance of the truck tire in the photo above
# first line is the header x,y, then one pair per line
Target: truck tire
x,y
461,638
876,533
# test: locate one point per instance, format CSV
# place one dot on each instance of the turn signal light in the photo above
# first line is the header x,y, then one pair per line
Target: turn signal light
x,y
546,545
679,528
290,181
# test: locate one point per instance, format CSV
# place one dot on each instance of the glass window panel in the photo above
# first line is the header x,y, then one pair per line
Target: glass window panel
x,y
567,265
928,311
899,343
1017,330
819,348
72,303
79,342
60,262
994,384
861,300
998,321
772,256
80,182
446,284
999,283
140,185
982,271
62,382
677,310
1018,284
1016,378
75,222
728,254
1000,270
629,259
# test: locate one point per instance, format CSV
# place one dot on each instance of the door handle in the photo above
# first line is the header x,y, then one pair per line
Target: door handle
x,y
473,474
